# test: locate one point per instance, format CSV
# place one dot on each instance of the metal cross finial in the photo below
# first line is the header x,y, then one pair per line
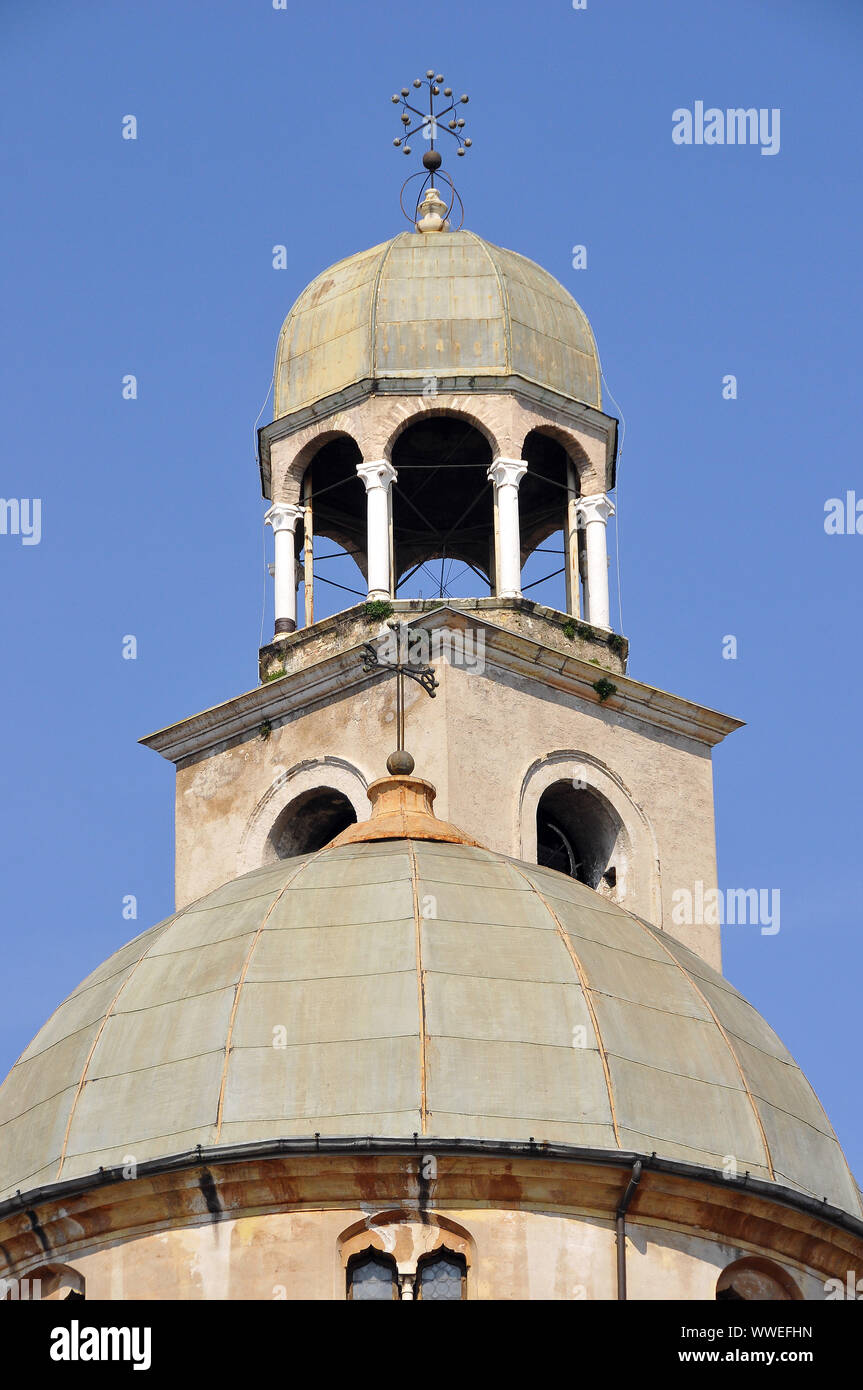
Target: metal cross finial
x,y
431,123
428,121
401,761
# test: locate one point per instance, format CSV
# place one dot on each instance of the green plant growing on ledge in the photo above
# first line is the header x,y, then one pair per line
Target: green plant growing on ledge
x,y
378,608
617,644
265,729
573,629
604,688
274,675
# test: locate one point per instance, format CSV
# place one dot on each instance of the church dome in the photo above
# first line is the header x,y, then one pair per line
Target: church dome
x,y
438,304
413,983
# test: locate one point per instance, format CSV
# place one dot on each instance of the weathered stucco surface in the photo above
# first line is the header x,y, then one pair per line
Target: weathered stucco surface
x,y
326,724
517,1255
286,1228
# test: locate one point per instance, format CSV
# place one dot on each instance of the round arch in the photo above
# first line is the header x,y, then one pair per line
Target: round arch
x,y
565,439
304,780
408,1237
442,500
429,407
633,851
756,1280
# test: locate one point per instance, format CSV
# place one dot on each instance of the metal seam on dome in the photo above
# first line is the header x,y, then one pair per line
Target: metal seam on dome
x,y
703,997
421,997
296,309
99,1032
242,979
570,298
373,303
585,988
504,301
833,1136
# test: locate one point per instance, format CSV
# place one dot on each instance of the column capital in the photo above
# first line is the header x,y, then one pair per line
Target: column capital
x,y
504,471
283,516
376,473
598,506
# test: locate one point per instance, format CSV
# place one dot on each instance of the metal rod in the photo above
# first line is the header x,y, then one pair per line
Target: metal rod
x,y
525,587
336,585
410,574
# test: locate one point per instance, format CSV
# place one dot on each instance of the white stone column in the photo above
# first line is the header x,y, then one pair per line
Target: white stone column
x,y
593,514
506,474
378,477
283,518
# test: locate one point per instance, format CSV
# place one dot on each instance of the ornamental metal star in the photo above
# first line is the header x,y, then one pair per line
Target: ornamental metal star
x,y
430,122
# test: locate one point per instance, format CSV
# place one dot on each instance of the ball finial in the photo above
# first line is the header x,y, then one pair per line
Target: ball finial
x,y
400,763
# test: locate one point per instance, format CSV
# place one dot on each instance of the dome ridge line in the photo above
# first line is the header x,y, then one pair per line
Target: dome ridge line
x,y
504,299
242,979
79,989
855,1186
373,299
585,987
706,1002
99,1031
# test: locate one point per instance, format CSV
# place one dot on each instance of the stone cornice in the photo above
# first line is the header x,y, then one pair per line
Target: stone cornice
x,y
339,673
218,1184
576,411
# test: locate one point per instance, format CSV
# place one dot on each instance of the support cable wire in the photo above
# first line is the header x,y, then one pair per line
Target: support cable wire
x,y
264,529
616,495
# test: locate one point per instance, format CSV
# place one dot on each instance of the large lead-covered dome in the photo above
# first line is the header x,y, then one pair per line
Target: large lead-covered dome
x,y
387,986
440,304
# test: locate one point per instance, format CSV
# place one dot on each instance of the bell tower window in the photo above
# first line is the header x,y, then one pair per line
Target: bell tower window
x,y
577,832
442,509
310,821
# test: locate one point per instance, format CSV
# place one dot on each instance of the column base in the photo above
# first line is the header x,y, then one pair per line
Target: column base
x,y
379,594
285,625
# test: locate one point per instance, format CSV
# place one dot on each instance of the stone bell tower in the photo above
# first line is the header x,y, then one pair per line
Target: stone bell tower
x,y
437,398
429,1036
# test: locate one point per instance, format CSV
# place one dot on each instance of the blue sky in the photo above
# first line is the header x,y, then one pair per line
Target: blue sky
x,y
259,127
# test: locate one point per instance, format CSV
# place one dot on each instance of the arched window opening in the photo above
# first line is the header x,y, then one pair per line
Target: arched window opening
x,y
441,1277
755,1281
443,519
372,1277
48,1283
576,833
546,493
310,821
331,537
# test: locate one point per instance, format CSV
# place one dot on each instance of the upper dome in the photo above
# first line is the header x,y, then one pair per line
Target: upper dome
x,y
387,986
434,305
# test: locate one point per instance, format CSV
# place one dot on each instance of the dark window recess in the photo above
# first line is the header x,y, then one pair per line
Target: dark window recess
x,y
576,833
310,821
